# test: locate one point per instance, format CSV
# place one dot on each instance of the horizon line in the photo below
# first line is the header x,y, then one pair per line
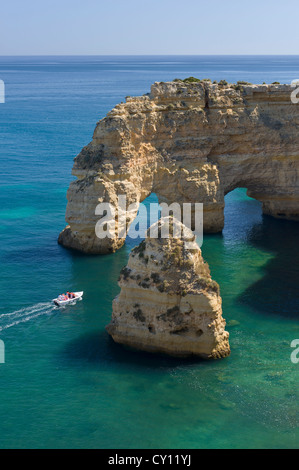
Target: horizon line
x,y
149,55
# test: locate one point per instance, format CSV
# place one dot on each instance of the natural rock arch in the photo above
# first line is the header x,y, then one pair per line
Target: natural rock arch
x,y
188,143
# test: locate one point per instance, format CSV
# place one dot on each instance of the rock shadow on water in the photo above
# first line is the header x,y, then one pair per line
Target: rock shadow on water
x,y
276,293
97,349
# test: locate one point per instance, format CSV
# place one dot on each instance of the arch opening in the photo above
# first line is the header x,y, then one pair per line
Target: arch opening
x,y
241,210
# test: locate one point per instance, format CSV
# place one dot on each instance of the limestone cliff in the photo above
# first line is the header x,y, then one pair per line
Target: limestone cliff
x,y
168,302
188,142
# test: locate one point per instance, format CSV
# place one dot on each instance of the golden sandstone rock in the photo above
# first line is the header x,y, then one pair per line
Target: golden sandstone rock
x,y
168,302
188,142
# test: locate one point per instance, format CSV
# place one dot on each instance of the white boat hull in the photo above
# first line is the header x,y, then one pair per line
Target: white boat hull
x,y
59,303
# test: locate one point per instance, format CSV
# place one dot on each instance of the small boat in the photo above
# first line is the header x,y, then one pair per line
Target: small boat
x,y
61,301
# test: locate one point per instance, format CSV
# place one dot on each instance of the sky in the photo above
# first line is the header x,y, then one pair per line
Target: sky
x,y
125,27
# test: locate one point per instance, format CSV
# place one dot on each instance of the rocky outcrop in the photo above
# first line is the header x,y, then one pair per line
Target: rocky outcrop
x,y
168,302
188,142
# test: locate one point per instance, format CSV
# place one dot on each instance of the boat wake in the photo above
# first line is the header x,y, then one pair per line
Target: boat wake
x,y
8,320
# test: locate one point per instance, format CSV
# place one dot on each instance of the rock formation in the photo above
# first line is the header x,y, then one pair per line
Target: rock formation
x,y
168,302
188,142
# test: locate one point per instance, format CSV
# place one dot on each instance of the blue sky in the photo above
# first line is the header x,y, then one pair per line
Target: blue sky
x,y
30,27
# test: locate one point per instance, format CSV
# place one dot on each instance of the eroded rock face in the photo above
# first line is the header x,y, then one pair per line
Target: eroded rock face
x,y
168,302
188,143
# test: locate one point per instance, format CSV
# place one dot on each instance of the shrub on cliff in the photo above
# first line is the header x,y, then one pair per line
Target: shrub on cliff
x,y
191,80
125,272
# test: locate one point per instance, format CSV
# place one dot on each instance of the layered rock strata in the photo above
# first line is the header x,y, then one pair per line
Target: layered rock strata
x,y
188,142
168,302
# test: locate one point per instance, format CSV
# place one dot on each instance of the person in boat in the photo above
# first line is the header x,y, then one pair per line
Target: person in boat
x,y
70,295
67,296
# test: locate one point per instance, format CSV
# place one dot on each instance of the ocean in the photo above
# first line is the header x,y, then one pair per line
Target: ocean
x,y
64,383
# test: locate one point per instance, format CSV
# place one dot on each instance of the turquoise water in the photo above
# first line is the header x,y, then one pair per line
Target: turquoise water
x,y
65,383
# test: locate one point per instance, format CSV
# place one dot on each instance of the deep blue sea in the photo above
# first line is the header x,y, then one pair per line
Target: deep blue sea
x,y
65,384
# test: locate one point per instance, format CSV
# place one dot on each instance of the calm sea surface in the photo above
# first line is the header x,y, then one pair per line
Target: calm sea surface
x,y
65,383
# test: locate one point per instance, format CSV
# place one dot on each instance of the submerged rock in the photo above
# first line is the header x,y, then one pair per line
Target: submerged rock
x,y
168,301
233,323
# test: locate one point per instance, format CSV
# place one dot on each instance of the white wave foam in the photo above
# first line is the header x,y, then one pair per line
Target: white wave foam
x,y
7,320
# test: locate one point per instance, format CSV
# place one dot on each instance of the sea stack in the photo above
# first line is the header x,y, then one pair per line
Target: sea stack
x,y
168,301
